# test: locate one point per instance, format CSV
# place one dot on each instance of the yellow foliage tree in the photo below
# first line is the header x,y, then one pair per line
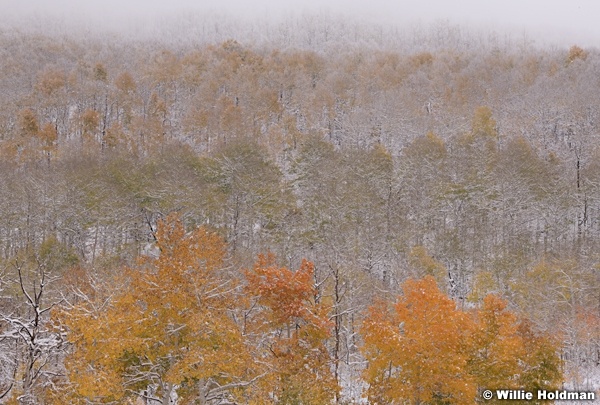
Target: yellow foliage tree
x,y
417,350
496,346
508,354
425,264
483,124
168,333
28,123
576,52
424,350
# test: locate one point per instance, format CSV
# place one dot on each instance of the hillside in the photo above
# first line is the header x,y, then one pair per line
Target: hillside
x,y
376,164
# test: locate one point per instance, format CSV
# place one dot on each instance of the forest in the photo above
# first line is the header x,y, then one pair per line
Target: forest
x,y
338,214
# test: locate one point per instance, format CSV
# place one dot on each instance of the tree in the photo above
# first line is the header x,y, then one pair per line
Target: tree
x,y
166,334
100,73
424,350
31,347
541,368
468,202
48,138
507,353
258,197
417,350
423,176
575,52
497,348
426,265
483,124
28,123
565,293
290,330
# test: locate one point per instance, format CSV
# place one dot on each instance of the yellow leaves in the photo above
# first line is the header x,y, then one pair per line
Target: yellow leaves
x,y
540,366
214,349
416,351
484,283
50,81
164,67
420,60
125,83
496,347
170,322
429,147
557,284
157,107
48,135
116,137
427,265
199,247
424,350
90,120
100,72
483,124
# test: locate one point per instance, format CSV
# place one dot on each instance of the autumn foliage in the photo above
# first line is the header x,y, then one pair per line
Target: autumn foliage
x,y
291,328
171,328
425,350
177,325
165,330
404,155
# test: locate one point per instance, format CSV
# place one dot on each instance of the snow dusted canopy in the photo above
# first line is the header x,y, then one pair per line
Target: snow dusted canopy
x,y
559,22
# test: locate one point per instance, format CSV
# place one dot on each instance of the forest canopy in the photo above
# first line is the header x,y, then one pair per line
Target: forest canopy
x,y
236,221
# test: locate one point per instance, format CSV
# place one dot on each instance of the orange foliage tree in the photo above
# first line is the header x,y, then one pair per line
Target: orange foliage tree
x,y
425,350
417,350
289,329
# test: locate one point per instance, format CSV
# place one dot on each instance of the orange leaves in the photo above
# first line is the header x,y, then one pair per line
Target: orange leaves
x,y
178,327
287,298
187,258
589,325
283,291
423,349
417,351
290,328
173,327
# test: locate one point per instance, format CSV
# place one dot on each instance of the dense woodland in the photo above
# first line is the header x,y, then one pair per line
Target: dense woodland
x,y
325,218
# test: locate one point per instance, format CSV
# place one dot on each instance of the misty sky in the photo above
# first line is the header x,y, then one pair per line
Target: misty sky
x,y
563,22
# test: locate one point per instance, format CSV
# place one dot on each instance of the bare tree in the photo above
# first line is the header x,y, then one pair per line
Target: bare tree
x,y
31,348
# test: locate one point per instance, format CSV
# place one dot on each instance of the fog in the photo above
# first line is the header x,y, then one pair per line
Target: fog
x,y
546,22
